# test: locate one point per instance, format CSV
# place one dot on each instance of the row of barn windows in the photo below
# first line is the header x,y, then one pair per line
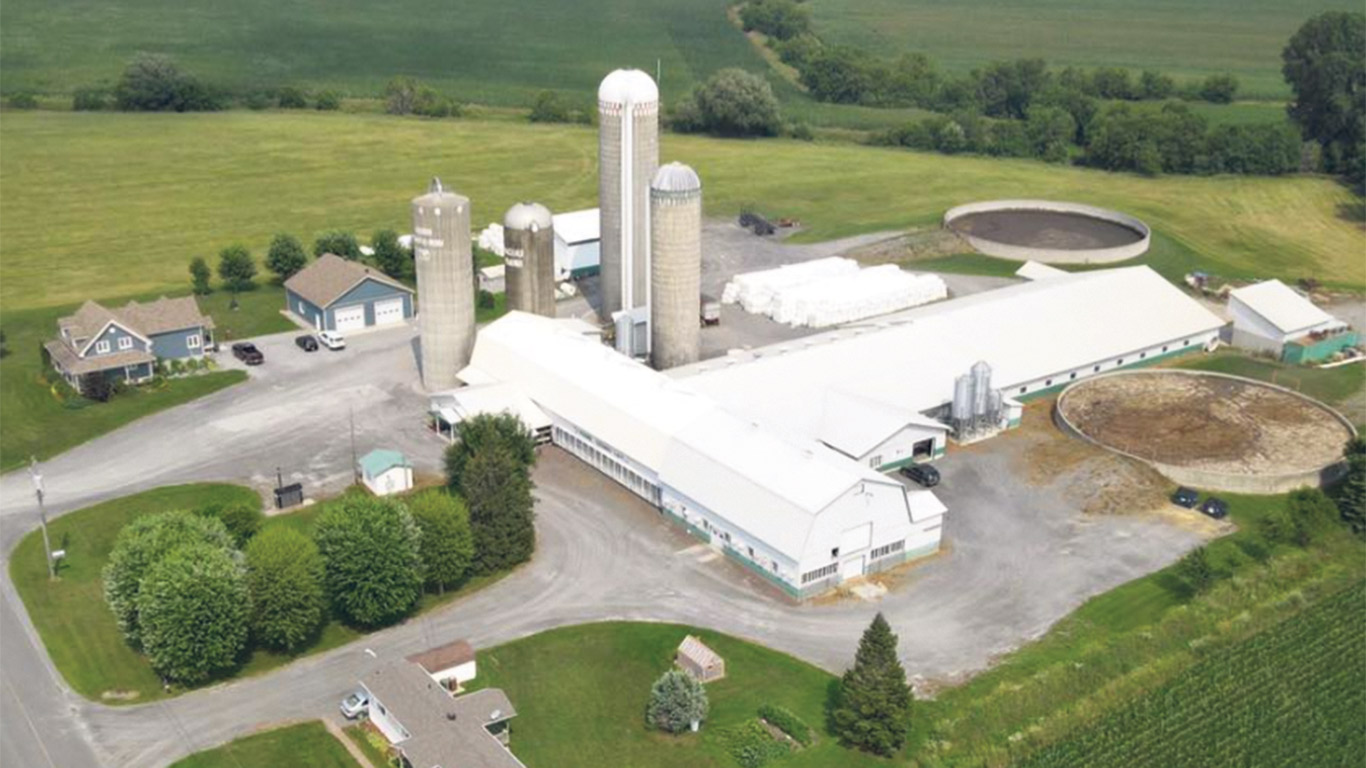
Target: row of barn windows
x,y
608,464
1096,368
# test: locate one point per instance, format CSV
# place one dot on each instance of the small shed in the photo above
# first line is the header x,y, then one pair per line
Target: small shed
x,y
699,661
451,664
386,471
1271,317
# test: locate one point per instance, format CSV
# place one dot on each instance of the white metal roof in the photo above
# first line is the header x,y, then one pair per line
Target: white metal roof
x,y
1281,306
855,424
1025,332
1035,270
465,402
578,226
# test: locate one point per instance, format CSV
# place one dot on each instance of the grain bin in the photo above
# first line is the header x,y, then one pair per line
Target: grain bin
x,y
445,284
529,256
628,155
676,271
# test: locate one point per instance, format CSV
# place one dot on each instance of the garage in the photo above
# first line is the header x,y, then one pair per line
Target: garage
x,y
350,318
389,311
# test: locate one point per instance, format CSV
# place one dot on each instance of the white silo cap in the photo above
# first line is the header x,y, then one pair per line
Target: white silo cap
x,y
628,85
676,177
532,216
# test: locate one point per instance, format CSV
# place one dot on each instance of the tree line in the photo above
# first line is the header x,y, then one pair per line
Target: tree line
x,y
196,591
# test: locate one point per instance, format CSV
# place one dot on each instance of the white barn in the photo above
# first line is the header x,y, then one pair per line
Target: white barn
x,y
1268,316
578,240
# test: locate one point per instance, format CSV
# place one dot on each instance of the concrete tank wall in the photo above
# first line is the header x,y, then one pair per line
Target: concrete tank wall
x,y
529,258
628,155
445,284
676,275
1052,255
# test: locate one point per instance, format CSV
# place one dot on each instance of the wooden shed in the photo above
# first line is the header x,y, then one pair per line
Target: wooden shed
x,y
695,658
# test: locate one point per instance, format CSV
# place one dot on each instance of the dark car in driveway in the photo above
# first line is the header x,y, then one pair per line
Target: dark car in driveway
x,y
307,343
1215,507
922,474
1185,497
248,353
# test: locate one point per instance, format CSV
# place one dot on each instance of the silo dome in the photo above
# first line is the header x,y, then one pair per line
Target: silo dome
x,y
628,85
530,216
677,178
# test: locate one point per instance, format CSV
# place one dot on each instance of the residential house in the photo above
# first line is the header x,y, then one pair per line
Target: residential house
x,y
334,294
124,344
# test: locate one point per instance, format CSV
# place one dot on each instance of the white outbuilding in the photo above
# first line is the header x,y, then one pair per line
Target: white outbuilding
x,y
1271,317
578,239
386,472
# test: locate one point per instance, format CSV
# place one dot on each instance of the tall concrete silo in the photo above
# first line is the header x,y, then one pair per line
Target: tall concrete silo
x,y
445,284
529,257
628,155
676,269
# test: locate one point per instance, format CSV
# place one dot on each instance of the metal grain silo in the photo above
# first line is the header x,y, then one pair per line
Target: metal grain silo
x,y
445,284
529,258
628,155
676,268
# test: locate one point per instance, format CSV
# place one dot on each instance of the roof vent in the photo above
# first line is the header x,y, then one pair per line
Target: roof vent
x,y
495,714
436,185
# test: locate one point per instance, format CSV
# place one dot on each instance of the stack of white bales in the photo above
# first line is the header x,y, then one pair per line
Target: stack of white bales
x,y
857,296
757,291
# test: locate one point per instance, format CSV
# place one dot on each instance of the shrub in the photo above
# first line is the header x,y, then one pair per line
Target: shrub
x,y
286,256
95,386
751,745
781,19
393,259
676,701
784,720
550,108
90,99
338,243
1219,89
447,542
193,612
1195,569
731,102
1309,511
153,83
258,100
486,299
373,563
139,546
22,100
285,580
242,521
400,94
1352,493
290,97
327,101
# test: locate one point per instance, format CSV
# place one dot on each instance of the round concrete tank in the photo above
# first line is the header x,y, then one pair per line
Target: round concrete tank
x,y
445,284
676,274
628,154
529,258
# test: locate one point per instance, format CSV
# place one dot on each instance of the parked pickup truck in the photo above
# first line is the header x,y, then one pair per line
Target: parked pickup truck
x,y
248,353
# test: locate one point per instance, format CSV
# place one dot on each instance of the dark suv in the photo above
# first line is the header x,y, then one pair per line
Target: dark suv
x,y
248,353
923,474
1215,507
1185,497
307,343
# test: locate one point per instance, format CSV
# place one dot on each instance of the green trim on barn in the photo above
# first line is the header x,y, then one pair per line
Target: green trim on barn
x,y
694,530
768,575
581,272
1296,353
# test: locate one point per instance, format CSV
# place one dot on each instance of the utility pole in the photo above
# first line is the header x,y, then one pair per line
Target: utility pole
x,y
37,480
355,469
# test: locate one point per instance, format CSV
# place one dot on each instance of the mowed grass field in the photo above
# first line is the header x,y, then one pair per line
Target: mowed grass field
x,y
306,745
1188,39
109,205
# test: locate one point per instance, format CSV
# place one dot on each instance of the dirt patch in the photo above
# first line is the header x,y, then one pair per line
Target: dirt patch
x,y
119,696
912,246
1046,229
1206,422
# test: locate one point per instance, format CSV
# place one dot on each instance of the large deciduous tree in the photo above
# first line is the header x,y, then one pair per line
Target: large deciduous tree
x,y
193,609
199,276
484,431
236,268
447,541
731,102
139,546
873,709
392,258
676,702
285,579
338,243
1323,65
286,256
498,490
371,550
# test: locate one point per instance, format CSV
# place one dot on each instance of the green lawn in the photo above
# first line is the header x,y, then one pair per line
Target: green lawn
x,y
1333,386
1185,38
580,694
195,183
77,627
306,745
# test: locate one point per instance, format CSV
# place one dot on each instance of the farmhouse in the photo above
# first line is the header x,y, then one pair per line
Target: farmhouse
x,y
1271,317
431,728
386,472
334,294
577,244
452,664
124,344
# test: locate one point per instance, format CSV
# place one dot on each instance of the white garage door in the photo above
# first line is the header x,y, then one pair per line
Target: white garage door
x,y
389,311
852,568
350,318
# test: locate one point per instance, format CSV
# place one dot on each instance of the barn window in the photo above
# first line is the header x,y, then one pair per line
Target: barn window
x,y
1119,361
1022,390
1142,355
1072,376
1048,382
834,553
1186,343
1096,369
1164,347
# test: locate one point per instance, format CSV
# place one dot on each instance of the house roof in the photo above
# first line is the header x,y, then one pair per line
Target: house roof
x,y
330,277
381,460
69,362
1281,306
444,731
695,649
578,226
443,657
164,315
87,321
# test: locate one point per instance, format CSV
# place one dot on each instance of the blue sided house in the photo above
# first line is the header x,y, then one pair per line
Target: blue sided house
x,y
124,344
334,294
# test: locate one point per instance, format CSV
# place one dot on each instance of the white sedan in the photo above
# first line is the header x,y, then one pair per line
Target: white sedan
x,y
356,703
332,340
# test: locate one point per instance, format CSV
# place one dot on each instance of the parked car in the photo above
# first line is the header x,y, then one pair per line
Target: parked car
x,y
923,474
307,343
248,353
711,310
332,340
1215,507
355,704
1185,497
